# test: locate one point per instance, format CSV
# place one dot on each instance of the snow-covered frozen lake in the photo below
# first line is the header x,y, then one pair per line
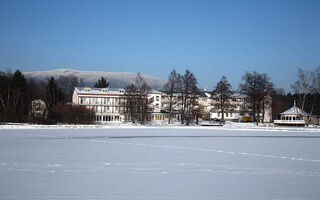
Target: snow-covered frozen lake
x,y
159,163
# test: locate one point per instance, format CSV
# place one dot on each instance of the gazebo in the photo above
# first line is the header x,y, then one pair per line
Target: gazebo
x,y
293,116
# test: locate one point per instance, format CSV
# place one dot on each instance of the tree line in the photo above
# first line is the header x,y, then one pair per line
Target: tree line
x,y
254,86
17,93
256,89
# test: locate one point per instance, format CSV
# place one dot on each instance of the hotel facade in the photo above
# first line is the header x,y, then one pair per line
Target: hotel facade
x,y
109,105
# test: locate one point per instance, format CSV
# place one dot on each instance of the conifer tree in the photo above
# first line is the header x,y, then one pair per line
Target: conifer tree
x,y
13,93
222,94
101,83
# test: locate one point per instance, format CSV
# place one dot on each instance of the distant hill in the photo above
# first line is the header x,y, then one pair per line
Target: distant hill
x,y
116,79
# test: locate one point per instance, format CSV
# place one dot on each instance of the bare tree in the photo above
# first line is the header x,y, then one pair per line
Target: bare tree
x,y
257,87
222,94
188,89
316,81
136,100
143,105
265,88
171,87
199,111
130,102
302,87
315,87
67,85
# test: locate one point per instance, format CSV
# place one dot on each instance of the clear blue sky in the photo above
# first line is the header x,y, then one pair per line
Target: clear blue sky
x,y
210,38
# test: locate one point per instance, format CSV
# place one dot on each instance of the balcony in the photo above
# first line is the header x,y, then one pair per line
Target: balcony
x,y
290,122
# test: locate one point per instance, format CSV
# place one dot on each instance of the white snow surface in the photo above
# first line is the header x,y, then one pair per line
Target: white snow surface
x,y
164,124
236,161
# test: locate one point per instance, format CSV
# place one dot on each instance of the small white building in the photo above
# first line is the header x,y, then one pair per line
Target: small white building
x,y
237,110
293,116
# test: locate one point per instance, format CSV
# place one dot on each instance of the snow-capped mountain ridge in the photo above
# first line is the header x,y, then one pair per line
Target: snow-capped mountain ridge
x,y
116,79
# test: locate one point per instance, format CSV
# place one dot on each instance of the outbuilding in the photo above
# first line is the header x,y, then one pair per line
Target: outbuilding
x,y
293,116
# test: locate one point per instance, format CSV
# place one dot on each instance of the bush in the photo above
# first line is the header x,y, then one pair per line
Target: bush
x,y
74,114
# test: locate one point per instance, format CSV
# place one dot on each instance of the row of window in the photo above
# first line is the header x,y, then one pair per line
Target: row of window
x,y
226,114
106,118
96,100
231,106
290,118
107,109
232,115
158,117
155,117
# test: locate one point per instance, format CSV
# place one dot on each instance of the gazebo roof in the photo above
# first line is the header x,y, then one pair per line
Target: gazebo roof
x,y
294,111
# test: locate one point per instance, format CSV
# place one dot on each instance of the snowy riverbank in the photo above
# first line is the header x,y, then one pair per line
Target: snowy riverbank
x,y
162,124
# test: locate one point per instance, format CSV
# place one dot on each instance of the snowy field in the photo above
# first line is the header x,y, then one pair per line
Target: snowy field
x,y
159,163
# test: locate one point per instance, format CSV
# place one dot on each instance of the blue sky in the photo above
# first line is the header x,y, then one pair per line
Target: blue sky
x,y
210,38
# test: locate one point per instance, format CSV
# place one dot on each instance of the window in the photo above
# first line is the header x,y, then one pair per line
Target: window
x,y
98,118
157,98
94,100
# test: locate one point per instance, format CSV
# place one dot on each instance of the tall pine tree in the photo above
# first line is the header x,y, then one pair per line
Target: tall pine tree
x,y
222,94
101,83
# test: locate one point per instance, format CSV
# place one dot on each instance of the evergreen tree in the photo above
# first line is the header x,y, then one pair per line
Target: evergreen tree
x,y
101,83
13,95
54,93
222,94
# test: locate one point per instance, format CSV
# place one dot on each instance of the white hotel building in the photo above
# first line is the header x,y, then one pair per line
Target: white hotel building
x,y
109,103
